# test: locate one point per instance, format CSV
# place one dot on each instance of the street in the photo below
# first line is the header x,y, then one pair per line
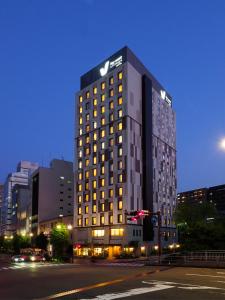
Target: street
x,y
71,281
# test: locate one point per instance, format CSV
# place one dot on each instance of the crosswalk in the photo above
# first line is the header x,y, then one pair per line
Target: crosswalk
x,y
30,266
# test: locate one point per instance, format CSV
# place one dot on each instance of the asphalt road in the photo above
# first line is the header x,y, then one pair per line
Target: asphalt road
x,y
94,282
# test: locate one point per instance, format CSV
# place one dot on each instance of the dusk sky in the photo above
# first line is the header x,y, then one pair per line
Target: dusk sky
x,y
46,45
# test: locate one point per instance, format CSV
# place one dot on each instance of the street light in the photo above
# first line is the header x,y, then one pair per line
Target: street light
x,y
58,226
69,227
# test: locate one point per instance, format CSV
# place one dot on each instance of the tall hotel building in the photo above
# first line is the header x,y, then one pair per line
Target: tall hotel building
x,y
125,156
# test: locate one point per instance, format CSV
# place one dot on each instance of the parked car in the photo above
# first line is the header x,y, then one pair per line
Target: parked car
x,y
20,258
37,258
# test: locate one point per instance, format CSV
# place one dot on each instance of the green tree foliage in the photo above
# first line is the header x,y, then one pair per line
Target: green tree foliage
x,y
200,227
59,239
41,241
20,242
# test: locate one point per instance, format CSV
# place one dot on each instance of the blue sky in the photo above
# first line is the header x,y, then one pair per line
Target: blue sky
x,y
46,45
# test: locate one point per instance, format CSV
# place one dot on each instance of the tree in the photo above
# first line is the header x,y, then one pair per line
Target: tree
x,y
41,241
200,227
20,242
59,239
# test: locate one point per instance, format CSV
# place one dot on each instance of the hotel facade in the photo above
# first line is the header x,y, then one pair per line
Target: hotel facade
x,y
125,157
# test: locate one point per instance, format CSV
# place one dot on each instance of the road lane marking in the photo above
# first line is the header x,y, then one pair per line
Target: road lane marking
x,y
220,272
131,292
204,275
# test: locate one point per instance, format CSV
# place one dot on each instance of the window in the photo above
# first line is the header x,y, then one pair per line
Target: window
x,y
120,126
111,180
95,102
79,222
111,154
111,80
80,99
87,162
103,97
120,151
87,139
111,142
87,94
102,109
87,197
111,105
79,210
80,121
120,218
86,209
120,191
87,117
94,160
94,147
80,109
120,165
102,145
98,232
120,179
87,128
120,88
86,221
102,182
95,136
94,196
111,219
111,193
111,167
94,221
111,117
80,154
103,133
80,131
94,125
102,170
79,199
95,113
117,232
87,151
87,174
120,139
120,75
102,220
102,195
102,121
111,92
94,208
111,206
87,105
94,184
94,172
80,164
120,204
102,207
120,101
95,90
80,176
80,142
86,186
103,85
79,187
111,129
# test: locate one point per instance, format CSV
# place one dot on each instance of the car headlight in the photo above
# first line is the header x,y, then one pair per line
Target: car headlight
x,y
22,259
16,259
32,258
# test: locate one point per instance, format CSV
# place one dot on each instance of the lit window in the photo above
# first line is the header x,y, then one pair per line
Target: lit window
x,y
94,208
87,94
120,165
80,131
80,165
111,180
120,101
111,193
79,210
95,102
98,232
87,128
80,142
120,139
111,80
95,148
95,90
80,99
120,126
94,221
102,195
120,178
79,199
120,191
111,167
86,186
86,221
81,109
80,153
95,172
87,161
120,88
111,117
103,157
87,197
87,139
111,92
87,174
120,218
111,129
111,206
94,184
120,75
120,205
102,121
103,85
87,117
111,154
103,97
80,121
95,113
95,136
94,125
87,151
79,222
79,187
86,209
111,219
103,133
102,207
117,232
102,170
120,151
111,142
102,182
94,196
102,145
111,105
95,160
102,220
102,109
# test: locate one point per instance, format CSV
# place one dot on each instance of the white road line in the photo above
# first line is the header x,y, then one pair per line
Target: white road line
x,y
220,272
204,275
131,292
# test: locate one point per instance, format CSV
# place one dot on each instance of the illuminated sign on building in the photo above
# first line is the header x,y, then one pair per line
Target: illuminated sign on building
x,y
165,97
110,65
